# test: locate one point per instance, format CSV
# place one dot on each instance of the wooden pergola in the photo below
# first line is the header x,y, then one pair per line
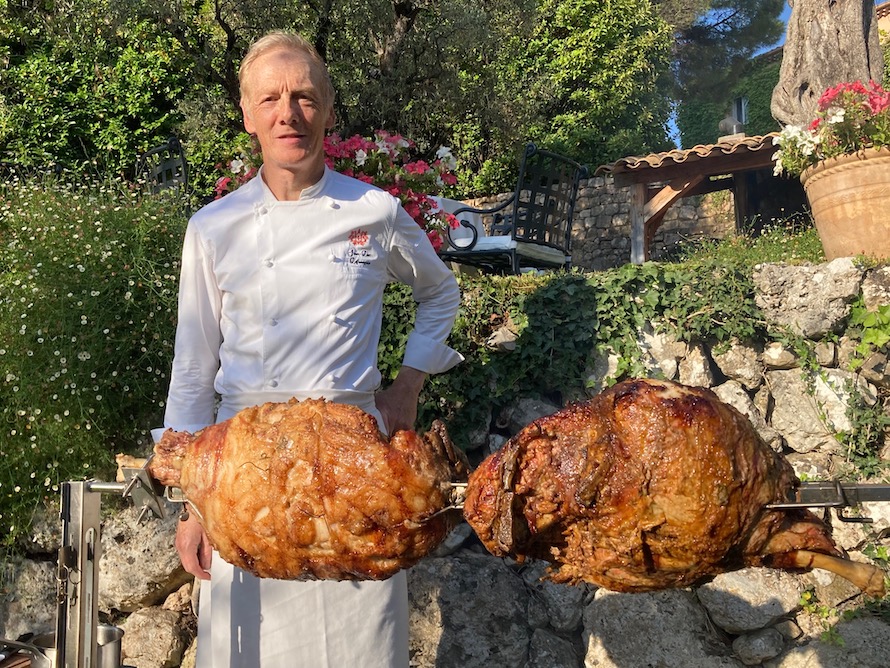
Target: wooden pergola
x,y
658,180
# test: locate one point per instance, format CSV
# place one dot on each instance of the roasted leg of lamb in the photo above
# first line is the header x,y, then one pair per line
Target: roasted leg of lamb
x,y
649,485
312,490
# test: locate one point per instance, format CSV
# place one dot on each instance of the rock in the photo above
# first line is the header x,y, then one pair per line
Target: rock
x,y
547,650
695,367
750,599
876,288
524,412
741,363
503,339
796,416
754,648
152,639
467,610
28,603
139,565
732,393
46,531
876,369
846,352
665,628
601,369
826,353
180,601
810,466
661,352
557,605
777,356
833,393
862,642
810,300
454,540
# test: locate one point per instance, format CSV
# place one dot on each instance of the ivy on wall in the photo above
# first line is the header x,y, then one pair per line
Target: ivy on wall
x,y
561,322
698,120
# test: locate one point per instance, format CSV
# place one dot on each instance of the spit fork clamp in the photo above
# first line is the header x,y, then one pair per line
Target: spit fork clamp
x,y
835,494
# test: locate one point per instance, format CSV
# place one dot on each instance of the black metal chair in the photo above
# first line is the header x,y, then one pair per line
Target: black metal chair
x,y
533,229
164,167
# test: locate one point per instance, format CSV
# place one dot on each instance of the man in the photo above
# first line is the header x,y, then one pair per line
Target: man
x,y
280,297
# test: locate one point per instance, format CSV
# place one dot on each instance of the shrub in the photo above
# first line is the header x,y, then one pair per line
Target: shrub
x,y
87,307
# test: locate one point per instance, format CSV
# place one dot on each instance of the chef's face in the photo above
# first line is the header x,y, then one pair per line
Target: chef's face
x,y
285,107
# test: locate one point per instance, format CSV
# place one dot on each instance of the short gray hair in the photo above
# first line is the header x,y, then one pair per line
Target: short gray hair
x,y
288,41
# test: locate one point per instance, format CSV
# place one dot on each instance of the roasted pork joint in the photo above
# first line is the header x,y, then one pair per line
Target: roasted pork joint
x,y
311,490
647,486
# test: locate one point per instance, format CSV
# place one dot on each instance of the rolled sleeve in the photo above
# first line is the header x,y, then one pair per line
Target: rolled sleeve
x,y
430,356
436,292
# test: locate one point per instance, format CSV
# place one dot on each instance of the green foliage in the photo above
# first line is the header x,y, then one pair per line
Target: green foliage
x,y
698,119
871,326
716,49
73,103
98,82
87,310
597,76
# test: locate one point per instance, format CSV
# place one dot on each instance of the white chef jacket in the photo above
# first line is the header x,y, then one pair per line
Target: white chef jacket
x,y
284,299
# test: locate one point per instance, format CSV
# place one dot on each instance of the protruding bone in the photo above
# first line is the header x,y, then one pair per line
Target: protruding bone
x,y
869,579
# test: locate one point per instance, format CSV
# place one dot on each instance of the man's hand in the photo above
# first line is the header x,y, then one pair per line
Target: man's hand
x,y
398,402
194,548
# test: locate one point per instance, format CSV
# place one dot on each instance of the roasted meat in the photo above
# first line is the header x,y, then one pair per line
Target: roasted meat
x,y
647,486
312,490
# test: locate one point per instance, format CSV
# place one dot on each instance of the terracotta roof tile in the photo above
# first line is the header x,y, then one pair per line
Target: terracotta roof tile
x,y
690,155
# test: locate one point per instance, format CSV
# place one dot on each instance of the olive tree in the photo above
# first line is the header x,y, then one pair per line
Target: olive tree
x,y
826,44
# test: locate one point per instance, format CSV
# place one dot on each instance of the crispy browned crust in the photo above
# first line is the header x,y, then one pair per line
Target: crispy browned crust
x,y
312,490
647,486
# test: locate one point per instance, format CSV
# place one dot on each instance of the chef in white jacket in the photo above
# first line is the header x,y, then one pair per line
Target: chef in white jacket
x,y
281,296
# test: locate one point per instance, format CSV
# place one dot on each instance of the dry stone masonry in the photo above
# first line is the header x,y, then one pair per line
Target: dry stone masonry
x,y
472,610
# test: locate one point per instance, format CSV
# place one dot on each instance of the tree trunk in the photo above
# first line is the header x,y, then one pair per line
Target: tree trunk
x,y
828,42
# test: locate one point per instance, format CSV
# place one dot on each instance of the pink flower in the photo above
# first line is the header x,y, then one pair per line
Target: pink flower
x,y
418,167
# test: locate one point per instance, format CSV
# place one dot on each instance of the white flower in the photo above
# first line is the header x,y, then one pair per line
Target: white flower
x,y
360,157
383,147
835,115
236,165
448,160
777,168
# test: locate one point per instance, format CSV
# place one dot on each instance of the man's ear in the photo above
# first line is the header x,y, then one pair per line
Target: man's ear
x,y
248,121
331,120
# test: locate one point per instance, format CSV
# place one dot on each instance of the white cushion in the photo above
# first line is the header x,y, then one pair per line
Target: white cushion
x,y
523,249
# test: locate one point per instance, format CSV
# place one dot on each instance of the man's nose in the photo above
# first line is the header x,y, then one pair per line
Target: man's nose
x,y
290,110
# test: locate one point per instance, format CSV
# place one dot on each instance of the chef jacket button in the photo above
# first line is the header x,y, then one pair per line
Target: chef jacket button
x,y
273,383
273,323
269,263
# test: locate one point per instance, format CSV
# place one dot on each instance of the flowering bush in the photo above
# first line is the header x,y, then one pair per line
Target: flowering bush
x,y
87,316
385,161
240,169
849,118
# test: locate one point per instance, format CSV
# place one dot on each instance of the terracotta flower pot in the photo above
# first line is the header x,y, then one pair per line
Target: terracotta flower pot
x,y
850,200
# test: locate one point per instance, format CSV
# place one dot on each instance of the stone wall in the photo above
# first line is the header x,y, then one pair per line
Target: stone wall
x,y
601,228
469,609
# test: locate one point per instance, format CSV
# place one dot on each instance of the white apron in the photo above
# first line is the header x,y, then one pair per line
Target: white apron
x,y
250,622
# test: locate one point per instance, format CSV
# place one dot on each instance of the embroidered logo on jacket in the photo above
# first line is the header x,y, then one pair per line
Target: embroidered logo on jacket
x,y
361,252
358,238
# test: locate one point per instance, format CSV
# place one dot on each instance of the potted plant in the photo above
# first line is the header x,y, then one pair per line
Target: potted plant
x,y
843,162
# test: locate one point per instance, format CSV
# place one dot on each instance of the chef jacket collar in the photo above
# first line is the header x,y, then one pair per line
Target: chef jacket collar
x,y
311,192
